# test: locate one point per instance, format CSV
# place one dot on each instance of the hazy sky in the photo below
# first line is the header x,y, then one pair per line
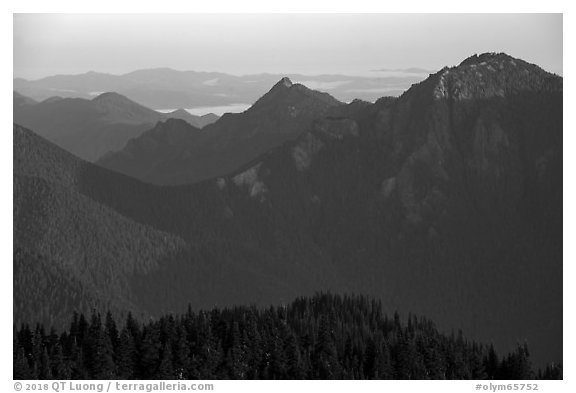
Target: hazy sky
x,y
48,44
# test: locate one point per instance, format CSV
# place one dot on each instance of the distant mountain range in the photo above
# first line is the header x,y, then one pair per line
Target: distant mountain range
x,y
444,202
164,88
177,153
91,128
410,70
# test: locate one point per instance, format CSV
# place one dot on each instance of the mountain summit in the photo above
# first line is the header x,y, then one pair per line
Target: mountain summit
x,y
116,108
286,82
282,114
112,97
493,74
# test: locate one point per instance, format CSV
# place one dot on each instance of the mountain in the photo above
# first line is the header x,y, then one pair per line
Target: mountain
x,y
196,121
21,101
282,114
146,154
52,99
65,85
63,235
444,202
163,88
90,128
103,238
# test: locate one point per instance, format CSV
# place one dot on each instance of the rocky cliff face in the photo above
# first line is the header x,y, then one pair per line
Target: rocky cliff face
x,y
471,127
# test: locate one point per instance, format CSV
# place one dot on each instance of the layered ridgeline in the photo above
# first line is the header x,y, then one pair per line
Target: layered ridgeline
x,y
20,101
321,337
445,202
176,153
91,128
162,88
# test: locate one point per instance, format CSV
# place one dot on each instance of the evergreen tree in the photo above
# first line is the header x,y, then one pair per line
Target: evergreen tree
x,y
79,370
150,352
165,368
552,371
327,337
492,364
325,355
59,363
111,330
236,354
21,367
98,350
294,365
45,369
126,355
181,351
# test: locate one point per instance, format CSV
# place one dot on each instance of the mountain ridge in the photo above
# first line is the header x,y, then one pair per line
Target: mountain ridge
x,y
233,140
435,205
57,220
160,89
92,128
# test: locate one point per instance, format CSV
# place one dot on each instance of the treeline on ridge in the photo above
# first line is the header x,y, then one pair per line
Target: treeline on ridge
x,y
321,337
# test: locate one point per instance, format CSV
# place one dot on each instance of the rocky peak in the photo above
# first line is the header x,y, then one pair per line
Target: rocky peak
x,y
292,99
490,75
488,57
283,84
286,82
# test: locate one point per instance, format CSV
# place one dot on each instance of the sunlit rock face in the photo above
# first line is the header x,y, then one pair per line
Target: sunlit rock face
x,y
250,180
493,75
